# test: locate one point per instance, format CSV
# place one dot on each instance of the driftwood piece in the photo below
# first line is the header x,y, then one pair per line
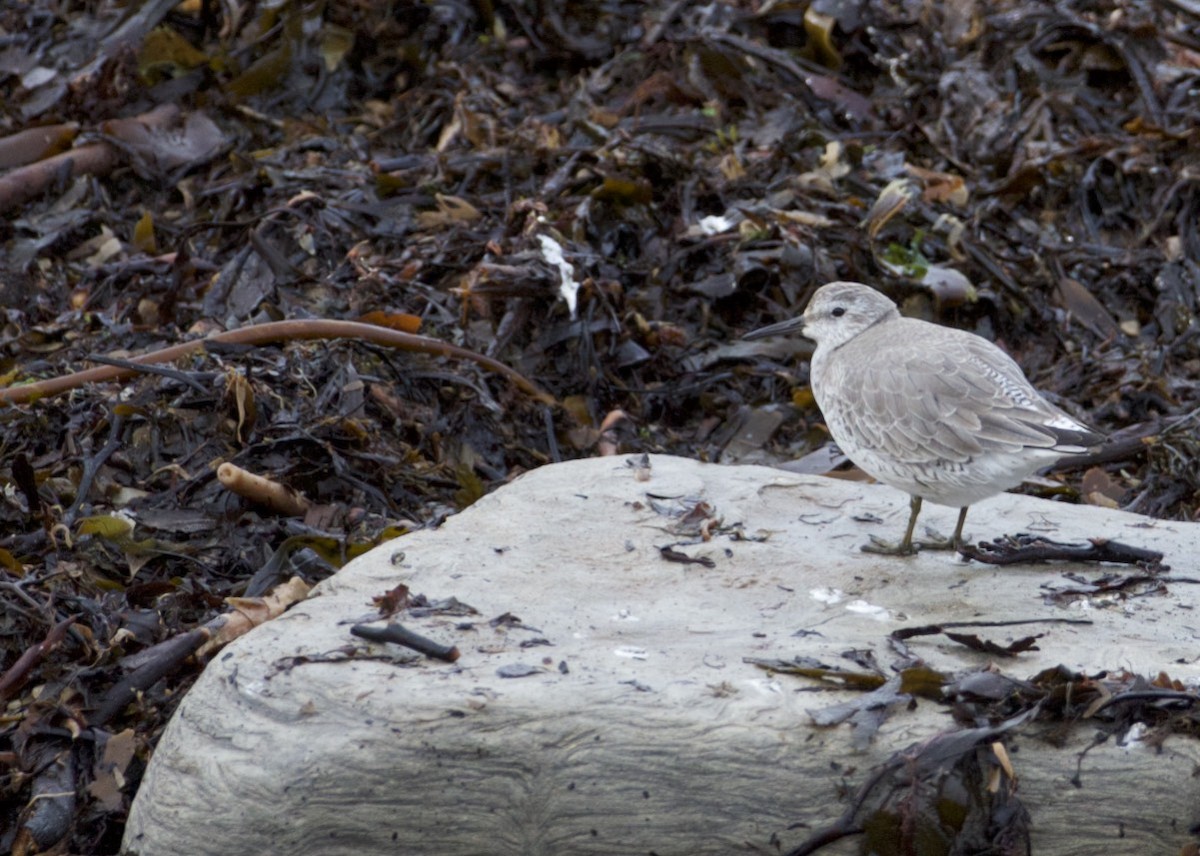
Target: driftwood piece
x,y
606,702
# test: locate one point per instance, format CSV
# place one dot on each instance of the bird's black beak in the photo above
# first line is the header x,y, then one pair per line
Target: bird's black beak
x,y
783,328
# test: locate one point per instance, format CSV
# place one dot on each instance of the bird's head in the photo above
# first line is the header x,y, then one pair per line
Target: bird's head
x,y
836,314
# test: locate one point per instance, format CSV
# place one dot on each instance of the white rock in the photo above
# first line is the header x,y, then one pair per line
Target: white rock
x,y
642,729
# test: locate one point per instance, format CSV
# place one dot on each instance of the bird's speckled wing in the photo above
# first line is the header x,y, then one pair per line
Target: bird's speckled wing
x,y
929,394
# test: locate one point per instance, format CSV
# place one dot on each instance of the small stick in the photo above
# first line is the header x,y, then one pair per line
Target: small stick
x,y
92,465
169,655
264,491
401,635
160,660
163,371
16,675
934,629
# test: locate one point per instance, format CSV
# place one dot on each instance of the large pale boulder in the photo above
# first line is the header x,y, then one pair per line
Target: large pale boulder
x,y
637,726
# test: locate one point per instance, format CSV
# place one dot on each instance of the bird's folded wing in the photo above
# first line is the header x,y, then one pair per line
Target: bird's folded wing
x,y
937,408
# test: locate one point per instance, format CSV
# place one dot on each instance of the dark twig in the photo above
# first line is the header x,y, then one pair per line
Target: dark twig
x,y
934,629
168,656
1157,697
16,675
92,465
672,555
143,368
1024,548
401,635
665,19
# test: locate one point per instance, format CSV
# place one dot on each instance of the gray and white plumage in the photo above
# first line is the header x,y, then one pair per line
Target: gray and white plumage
x,y
939,413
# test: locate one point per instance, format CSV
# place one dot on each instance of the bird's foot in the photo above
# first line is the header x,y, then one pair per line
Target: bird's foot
x,y
890,548
931,541
936,541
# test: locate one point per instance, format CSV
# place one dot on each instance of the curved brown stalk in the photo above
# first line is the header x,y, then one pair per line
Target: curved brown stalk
x,y
274,331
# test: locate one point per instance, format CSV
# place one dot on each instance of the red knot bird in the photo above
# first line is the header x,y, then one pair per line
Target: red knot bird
x,y
941,414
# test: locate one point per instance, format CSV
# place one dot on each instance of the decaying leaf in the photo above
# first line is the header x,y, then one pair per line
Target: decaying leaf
x,y
450,211
248,613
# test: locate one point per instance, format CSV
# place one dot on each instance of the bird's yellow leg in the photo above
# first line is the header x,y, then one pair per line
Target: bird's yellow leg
x,y
905,547
958,536
938,542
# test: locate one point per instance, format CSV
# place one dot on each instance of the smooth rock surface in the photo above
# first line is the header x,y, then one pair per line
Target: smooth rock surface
x,y
641,729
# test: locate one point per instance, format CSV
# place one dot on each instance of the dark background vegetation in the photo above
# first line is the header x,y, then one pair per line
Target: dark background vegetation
x,y
1026,170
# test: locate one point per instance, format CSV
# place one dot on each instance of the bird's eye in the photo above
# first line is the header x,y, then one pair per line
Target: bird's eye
x,y
838,311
